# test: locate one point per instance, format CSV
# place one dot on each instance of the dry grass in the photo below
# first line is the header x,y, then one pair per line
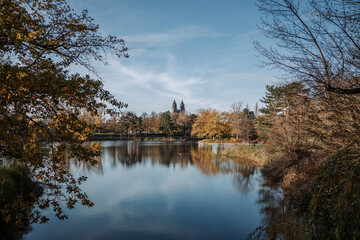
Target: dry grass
x,y
255,154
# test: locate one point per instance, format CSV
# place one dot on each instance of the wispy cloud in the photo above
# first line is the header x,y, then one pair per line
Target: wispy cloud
x,y
171,37
153,89
247,34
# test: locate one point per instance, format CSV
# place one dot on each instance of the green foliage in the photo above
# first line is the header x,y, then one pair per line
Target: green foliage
x,y
272,100
166,123
279,99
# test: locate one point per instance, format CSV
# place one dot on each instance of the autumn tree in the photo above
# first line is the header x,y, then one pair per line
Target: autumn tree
x,y
147,125
312,140
130,124
97,119
111,124
211,124
150,122
18,194
40,99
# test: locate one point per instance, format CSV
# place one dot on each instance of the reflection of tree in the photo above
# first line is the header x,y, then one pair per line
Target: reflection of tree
x,y
131,153
209,161
167,153
243,170
280,218
85,167
18,193
207,158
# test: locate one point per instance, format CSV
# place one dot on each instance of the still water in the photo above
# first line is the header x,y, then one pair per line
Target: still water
x,y
161,190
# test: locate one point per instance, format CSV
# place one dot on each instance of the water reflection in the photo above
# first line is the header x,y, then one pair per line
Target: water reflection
x,y
206,158
18,194
171,190
280,220
211,162
129,154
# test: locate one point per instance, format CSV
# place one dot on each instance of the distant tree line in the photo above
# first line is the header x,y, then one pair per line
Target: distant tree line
x,y
238,124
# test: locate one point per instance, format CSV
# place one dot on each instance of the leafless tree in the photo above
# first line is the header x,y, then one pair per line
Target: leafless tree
x,y
317,42
236,119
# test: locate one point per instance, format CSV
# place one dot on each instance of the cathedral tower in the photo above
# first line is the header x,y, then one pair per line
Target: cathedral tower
x,y
174,108
182,106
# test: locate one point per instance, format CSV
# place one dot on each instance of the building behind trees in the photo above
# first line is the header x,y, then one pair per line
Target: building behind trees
x,y
174,108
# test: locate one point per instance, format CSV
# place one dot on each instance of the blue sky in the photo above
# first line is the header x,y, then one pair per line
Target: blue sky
x,y
200,51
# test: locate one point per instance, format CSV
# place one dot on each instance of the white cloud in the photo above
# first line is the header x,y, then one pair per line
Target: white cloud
x,y
153,89
171,37
247,34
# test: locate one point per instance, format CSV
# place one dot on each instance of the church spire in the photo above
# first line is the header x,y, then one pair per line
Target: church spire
x,y
182,106
174,107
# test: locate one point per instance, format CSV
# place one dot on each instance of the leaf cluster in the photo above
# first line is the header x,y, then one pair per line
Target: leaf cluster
x,y
41,101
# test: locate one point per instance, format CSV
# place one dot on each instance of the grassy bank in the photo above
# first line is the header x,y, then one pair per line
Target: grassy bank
x,y
255,154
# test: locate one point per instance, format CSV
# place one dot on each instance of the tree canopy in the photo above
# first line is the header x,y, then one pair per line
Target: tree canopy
x,y
40,99
211,124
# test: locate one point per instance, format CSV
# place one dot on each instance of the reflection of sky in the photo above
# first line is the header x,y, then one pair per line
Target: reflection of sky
x,y
153,201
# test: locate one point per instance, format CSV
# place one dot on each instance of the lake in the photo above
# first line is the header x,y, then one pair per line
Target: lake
x,y
162,190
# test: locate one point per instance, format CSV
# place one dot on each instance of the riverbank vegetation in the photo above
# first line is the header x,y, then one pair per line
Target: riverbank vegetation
x,y
310,123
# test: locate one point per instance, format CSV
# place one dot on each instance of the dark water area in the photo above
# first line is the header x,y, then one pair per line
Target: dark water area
x,y
165,190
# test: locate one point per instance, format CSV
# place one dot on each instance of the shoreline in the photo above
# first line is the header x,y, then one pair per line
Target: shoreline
x,y
242,151
154,137
254,154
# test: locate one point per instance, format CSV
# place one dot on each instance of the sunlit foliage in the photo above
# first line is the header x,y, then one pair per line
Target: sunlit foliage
x,y
211,124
